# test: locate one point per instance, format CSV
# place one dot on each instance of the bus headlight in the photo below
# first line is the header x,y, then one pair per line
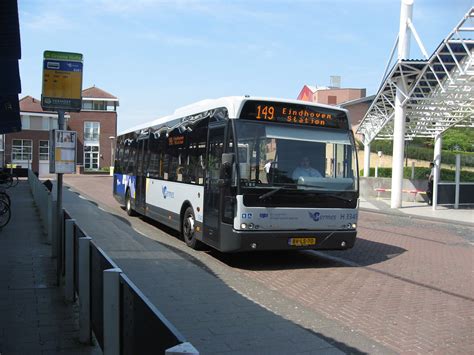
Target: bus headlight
x,y
250,226
243,226
354,226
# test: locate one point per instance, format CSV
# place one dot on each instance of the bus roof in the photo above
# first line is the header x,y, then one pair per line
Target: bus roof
x,y
233,104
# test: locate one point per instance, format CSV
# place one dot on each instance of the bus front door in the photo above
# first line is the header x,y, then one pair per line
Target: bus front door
x,y
212,196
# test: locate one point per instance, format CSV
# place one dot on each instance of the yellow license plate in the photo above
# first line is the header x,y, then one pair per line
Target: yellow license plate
x,y
301,242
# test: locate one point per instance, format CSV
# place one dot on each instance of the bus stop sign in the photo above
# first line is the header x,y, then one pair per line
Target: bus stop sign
x,y
62,81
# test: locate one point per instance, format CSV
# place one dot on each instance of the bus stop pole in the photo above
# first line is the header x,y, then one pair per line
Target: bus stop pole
x,y
59,209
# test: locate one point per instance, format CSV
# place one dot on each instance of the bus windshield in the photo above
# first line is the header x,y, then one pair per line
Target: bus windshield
x,y
281,155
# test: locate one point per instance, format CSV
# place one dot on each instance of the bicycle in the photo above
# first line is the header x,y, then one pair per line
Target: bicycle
x,y
5,213
8,179
5,197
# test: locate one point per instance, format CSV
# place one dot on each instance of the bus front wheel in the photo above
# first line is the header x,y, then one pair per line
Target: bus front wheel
x,y
188,229
128,204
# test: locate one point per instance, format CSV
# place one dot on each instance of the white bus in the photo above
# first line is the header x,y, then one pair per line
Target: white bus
x,y
291,183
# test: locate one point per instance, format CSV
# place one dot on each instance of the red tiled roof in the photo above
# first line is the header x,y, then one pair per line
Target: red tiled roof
x,y
96,93
30,104
306,94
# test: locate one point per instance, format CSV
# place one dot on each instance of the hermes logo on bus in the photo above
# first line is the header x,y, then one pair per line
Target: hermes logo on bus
x,y
316,216
167,193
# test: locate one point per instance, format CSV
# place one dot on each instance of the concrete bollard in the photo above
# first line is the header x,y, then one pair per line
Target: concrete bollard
x,y
111,309
84,291
69,260
49,218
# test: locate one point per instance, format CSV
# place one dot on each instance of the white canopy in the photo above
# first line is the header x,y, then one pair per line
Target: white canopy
x,y
440,90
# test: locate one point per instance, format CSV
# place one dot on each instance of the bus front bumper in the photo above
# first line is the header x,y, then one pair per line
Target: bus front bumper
x,y
287,240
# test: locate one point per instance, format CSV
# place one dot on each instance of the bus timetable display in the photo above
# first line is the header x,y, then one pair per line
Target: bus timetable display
x,y
305,115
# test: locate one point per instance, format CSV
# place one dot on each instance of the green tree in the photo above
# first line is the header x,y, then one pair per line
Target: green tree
x,y
459,139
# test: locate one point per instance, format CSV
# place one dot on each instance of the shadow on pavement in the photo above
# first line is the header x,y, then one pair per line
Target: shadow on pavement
x,y
366,252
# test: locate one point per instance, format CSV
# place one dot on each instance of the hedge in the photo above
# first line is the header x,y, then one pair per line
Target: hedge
x,y
421,173
423,153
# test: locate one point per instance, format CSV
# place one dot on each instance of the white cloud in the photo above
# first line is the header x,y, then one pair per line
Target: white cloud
x,y
175,40
46,21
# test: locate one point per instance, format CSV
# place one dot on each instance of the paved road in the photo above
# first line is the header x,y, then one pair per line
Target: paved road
x,y
406,287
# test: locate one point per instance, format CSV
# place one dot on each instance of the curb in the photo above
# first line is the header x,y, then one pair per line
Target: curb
x,y
423,218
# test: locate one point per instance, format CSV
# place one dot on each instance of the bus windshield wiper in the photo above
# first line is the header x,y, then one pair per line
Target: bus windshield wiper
x,y
339,197
270,193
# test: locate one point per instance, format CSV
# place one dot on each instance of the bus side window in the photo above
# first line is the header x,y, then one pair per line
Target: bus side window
x,y
196,148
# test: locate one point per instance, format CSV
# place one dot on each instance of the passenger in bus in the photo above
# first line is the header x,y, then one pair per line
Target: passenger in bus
x,y
305,170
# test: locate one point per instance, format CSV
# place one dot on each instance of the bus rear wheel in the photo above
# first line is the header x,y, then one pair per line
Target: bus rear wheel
x,y
188,225
128,204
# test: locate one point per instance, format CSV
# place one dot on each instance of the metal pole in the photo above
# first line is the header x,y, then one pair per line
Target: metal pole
x,y
437,168
457,180
406,12
59,208
413,170
366,159
400,116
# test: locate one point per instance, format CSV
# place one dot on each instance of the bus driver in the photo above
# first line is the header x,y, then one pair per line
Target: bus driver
x,y
305,170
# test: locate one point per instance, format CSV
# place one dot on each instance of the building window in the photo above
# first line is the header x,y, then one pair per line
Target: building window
x,y
100,106
22,149
91,157
36,123
91,131
332,100
25,122
43,150
87,105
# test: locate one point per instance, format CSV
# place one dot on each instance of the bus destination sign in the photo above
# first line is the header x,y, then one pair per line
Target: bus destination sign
x,y
298,114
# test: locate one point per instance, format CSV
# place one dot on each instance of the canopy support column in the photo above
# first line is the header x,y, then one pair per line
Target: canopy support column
x,y
366,159
437,169
398,154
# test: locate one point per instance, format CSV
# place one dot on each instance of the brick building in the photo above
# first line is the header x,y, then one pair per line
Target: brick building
x,y
353,100
96,127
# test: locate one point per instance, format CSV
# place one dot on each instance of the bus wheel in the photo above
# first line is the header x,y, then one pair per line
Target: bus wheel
x,y
187,228
128,204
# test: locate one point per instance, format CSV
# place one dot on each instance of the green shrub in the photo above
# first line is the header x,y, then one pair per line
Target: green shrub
x,y
424,153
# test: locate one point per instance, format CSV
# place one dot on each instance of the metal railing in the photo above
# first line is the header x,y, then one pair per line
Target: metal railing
x,y
111,306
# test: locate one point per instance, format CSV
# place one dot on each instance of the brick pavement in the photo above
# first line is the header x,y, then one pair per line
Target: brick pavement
x,y
33,316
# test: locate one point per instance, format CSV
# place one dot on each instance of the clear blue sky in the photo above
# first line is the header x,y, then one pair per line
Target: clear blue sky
x,y
158,55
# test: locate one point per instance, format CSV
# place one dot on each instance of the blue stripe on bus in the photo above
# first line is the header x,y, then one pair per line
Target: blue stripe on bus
x,y
121,182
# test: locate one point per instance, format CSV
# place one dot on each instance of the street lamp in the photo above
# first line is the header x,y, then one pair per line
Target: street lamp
x,y
111,169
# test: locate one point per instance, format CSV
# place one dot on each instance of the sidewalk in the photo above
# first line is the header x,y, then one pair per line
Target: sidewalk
x,y
463,216
34,318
